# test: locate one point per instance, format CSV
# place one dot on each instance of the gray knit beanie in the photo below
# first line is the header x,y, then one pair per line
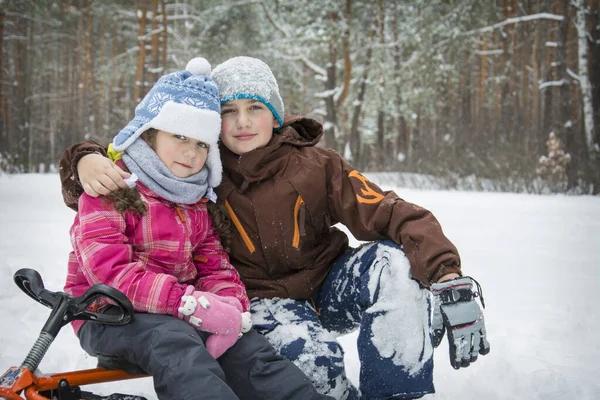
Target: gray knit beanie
x,y
249,78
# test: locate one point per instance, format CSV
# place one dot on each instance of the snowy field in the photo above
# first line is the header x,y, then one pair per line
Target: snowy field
x,y
536,257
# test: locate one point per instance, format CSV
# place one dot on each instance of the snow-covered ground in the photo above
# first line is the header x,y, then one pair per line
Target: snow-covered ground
x,y
537,258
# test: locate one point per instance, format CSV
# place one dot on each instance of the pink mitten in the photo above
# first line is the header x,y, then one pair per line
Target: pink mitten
x,y
210,313
246,318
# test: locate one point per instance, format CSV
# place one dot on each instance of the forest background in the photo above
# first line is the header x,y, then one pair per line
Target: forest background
x,y
485,95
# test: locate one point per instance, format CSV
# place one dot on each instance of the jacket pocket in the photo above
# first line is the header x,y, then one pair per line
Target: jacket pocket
x,y
240,228
299,221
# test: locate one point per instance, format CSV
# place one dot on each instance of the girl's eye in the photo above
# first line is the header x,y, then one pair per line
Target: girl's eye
x,y
256,107
227,111
202,145
180,137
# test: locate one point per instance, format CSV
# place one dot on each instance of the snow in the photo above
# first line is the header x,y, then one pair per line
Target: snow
x,y
408,321
536,257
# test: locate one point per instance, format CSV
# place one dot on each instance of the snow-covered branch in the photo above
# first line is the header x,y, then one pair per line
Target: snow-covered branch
x,y
128,52
327,93
489,52
275,24
573,75
309,64
516,20
51,22
544,85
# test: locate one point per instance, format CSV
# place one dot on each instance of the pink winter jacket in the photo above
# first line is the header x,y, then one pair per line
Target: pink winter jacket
x,y
151,258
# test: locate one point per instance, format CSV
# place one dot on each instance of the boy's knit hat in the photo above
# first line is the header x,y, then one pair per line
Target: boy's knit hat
x,y
185,103
249,78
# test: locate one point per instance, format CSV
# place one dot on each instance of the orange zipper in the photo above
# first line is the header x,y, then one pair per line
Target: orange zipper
x,y
178,210
240,228
296,240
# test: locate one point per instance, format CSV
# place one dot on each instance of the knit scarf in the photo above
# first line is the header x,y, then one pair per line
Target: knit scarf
x,y
154,174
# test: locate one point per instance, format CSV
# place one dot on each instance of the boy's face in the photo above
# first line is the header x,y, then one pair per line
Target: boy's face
x,y
246,125
183,156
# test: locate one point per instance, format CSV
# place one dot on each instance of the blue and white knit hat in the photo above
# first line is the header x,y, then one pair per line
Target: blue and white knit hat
x,y
249,78
185,103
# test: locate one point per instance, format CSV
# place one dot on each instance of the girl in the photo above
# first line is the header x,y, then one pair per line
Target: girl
x,y
284,195
157,244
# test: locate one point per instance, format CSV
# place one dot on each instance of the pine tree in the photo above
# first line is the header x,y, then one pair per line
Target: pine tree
x,y
553,167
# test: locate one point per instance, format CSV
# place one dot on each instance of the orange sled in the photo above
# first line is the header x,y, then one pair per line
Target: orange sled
x,y
25,382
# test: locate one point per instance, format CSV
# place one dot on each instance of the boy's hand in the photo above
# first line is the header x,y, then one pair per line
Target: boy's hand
x,y
456,311
99,175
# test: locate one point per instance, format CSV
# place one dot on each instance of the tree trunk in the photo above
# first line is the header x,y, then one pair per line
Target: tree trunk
x,y
563,128
89,87
154,61
346,53
381,155
164,36
141,56
535,126
3,125
584,81
355,136
594,65
80,74
401,142
31,83
331,131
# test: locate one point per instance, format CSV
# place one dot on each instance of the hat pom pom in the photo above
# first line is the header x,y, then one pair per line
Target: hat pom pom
x,y
198,66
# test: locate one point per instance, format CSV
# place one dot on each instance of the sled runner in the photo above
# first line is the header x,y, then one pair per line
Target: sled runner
x,y
26,382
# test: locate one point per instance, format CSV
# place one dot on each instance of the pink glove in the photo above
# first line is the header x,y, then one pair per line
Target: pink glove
x,y
246,317
212,313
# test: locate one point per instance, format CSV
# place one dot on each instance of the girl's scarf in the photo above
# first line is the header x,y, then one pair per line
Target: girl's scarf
x,y
141,160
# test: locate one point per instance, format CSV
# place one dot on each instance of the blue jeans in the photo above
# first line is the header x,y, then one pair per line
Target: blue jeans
x,y
369,288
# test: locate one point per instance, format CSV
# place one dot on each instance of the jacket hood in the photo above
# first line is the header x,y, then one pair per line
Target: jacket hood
x,y
300,131
268,161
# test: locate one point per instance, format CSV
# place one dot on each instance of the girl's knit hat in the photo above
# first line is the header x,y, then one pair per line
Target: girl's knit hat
x,y
184,103
249,78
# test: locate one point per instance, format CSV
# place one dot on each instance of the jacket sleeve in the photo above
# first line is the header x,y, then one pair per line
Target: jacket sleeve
x,y
99,241
373,214
216,274
71,187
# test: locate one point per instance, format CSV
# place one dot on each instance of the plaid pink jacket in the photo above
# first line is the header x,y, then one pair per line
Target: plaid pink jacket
x,y
151,258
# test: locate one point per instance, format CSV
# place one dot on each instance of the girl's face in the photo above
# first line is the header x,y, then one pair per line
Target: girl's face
x,y
246,125
182,155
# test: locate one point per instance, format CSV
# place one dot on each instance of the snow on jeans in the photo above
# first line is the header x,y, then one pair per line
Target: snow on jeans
x,y
368,288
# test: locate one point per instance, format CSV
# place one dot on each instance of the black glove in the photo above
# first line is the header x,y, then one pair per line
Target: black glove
x,y
456,310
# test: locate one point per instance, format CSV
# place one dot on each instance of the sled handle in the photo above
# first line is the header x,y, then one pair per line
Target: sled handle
x,y
67,308
121,314
30,282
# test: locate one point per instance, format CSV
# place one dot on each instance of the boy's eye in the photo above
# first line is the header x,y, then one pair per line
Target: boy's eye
x,y
180,137
202,145
256,107
227,111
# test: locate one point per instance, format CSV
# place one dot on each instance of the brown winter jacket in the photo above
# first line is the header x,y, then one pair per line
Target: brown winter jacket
x,y
285,198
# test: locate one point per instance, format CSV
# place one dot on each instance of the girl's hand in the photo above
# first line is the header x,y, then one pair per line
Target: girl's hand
x,y
99,175
211,313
